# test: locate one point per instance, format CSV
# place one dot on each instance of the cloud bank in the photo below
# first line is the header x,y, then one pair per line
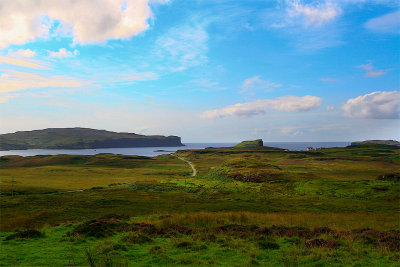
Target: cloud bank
x,y
376,105
261,106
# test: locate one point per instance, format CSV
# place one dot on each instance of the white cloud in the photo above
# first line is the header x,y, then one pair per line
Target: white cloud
x,y
15,80
317,14
376,105
183,46
63,53
255,83
261,106
21,53
86,21
388,23
33,64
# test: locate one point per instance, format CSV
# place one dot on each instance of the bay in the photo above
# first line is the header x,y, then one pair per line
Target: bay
x,y
155,151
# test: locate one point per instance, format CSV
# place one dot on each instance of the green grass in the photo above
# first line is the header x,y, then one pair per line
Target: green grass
x,y
336,188
204,245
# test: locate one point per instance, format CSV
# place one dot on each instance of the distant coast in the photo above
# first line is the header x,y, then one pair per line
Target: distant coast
x,y
82,138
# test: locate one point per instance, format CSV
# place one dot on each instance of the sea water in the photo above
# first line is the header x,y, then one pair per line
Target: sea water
x,y
155,151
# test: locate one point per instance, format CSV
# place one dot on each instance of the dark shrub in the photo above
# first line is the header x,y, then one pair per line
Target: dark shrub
x,y
291,231
268,244
100,227
388,239
137,238
25,234
263,231
394,176
184,244
322,230
155,249
320,243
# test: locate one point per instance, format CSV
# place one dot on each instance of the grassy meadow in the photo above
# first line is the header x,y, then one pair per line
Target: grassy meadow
x,y
245,207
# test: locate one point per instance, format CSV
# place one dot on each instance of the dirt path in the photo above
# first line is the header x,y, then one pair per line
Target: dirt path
x,y
190,164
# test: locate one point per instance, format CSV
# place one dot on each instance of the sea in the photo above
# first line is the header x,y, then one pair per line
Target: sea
x,y
155,151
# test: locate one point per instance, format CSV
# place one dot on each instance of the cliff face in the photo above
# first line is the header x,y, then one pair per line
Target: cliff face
x,y
80,138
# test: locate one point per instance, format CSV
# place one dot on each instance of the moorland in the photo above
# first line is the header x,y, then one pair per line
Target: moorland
x,y
246,206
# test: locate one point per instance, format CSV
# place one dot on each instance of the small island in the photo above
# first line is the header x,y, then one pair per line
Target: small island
x,y
253,143
82,138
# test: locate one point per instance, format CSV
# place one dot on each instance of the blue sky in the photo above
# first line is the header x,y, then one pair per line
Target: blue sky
x,y
208,71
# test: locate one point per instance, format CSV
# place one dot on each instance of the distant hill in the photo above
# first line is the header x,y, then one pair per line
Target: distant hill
x,y
80,138
379,142
254,143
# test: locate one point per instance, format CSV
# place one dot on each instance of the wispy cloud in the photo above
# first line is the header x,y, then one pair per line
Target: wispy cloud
x,y
137,76
376,105
33,64
16,80
328,80
370,70
63,53
4,99
388,23
312,25
205,83
374,73
314,14
183,46
21,53
366,67
253,84
261,106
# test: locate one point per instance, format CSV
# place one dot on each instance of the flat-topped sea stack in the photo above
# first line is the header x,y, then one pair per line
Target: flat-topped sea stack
x,y
82,138
378,142
250,144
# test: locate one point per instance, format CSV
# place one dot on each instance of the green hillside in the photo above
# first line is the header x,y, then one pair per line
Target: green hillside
x,y
80,138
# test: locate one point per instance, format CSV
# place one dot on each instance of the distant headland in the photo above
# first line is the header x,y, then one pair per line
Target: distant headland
x,y
379,142
82,138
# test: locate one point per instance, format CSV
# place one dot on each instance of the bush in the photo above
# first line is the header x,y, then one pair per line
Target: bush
x,y
268,244
394,177
25,234
320,243
137,238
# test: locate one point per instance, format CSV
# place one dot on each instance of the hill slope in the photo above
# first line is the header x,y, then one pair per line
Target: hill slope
x,y
79,138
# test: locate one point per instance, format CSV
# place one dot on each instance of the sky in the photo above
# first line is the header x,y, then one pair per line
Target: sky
x,y
205,70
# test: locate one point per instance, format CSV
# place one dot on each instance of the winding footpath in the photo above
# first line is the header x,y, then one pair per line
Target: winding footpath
x,y
188,162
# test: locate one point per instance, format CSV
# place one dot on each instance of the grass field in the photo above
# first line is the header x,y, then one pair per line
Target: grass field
x,y
244,207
